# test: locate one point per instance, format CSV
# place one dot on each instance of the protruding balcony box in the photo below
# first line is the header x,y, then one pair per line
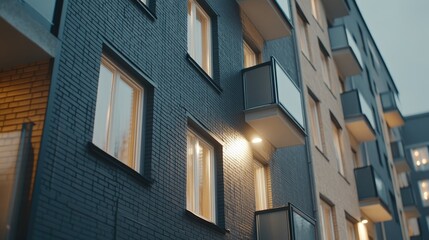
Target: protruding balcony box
x,y
372,193
270,17
335,9
284,223
392,114
345,51
273,104
28,31
398,156
358,115
409,202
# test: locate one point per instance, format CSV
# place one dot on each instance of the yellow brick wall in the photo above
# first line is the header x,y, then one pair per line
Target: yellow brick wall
x,y
23,97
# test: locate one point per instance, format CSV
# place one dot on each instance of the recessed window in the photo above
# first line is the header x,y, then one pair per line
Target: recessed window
x,y
324,65
199,36
420,158
424,192
200,178
351,231
413,227
303,36
250,56
314,121
261,185
327,221
118,115
337,138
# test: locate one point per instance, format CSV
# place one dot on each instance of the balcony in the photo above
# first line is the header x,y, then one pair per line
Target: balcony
x,y
16,153
392,114
335,9
273,104
358,115
345,51
29,29
270,17
398,156
284,223
372,193
409,203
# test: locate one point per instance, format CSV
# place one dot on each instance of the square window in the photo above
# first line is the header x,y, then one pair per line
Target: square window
x,y
261,185
420,158
315,122
424,192
200,178
327,221
118,115
199,36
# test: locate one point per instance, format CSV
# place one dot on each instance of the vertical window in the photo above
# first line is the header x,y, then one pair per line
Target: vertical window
x,y
402,180
324,65
118,115
250,56
261,185
200,178
355,159
336,134
199,37
315,9
327,221
303,36
424,192
314,121
413,227
420,158
351,232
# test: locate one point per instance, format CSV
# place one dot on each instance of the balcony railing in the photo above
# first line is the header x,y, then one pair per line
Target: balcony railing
x,y
398,156
16,154
373,195
409,202
345,51
273,104
392,114
270,17
358,115
284,223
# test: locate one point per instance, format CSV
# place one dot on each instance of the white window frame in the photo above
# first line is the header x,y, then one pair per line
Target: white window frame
x,y
119,75
194,175
261,185
325,206
420,156
338,148
315,122
424,191
206,62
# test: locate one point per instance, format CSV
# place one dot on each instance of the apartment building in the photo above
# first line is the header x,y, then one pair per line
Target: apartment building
x,y
414,184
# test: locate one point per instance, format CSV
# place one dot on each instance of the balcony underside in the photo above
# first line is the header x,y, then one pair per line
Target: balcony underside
x,y
335,9
346,61
272,124
375,210
394,118
265,15
360,129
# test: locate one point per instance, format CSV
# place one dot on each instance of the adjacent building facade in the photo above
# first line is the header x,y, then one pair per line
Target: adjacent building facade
x,y
202,119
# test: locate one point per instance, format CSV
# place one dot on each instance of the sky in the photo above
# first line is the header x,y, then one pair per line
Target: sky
x,y
401,31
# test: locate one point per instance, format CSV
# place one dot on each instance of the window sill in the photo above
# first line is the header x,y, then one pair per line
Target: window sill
x,y
308,60
344,177
322,153
203,74
146,9
205,222
101,154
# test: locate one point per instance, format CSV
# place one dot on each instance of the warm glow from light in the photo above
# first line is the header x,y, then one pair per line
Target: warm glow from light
x,y
256,140
424,161
418,163
416,153
426,195
423,184
362,231
364,221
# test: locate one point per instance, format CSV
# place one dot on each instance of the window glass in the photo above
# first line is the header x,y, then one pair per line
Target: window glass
x,y
424,192
117,115
315,127
325,68
303,36
336,133
402,180
351,232
250,57
420,158
327,221
261,185
200,179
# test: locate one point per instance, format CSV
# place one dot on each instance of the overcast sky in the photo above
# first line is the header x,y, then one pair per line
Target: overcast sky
x,y
401,30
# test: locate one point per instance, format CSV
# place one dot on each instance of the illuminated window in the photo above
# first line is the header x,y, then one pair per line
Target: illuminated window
x,y
314,121
303,36
199,37
261,185
250,56
118,115
200,178
424,192
336,134
327,221
413,227
420,158
351,231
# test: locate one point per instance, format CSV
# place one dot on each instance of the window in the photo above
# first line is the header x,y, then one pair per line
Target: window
x,y
336,134
314,121
261,185
250,56
413,227
327,221
118,115
351,232
420,158
324,65
200,178
402,180
199,37
303,36
355,159
424,192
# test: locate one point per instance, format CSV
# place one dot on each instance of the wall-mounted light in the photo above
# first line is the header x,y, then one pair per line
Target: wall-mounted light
x,y
364,221
256,140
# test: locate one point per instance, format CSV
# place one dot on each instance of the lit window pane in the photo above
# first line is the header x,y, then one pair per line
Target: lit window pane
x,y
351,234
261,184
424,192
413,227
420,158
327,221
249,56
